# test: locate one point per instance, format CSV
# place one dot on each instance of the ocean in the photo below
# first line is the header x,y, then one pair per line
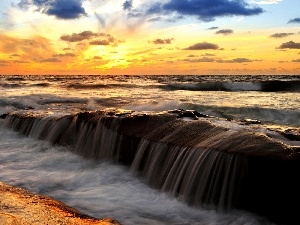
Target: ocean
x,y
106,188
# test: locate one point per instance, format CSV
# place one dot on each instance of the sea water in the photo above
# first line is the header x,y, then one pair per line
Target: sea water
x,y
270,99
105,189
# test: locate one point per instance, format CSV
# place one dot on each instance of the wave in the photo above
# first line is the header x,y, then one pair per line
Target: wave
x,y
14,103
107,86
41,85
289,117
285,117
265,115
263,86
15,78
169,83
87,86
11,85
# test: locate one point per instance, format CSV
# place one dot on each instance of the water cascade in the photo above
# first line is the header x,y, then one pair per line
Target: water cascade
x,y
200,162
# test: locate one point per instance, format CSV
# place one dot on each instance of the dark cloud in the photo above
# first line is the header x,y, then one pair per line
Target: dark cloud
x,y
67,9
205,10
203,46
296,60
156,19
135,14
106,40
281,35
159,41
127,5
208,54
295,20
192,55
85,35
290,45
200,60
24,4
94,38
236,60
49,60
100,42
225,31
155,8
61,9
15,55
20,61
212,28
174,19
64,55
170,19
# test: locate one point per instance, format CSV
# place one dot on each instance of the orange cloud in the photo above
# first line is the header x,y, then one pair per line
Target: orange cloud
x,y
26,49
30,55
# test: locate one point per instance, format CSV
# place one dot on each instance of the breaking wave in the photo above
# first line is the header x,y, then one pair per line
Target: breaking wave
x,y
263,86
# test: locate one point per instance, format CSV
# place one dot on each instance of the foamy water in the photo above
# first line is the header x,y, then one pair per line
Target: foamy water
x,y
98,189
270,99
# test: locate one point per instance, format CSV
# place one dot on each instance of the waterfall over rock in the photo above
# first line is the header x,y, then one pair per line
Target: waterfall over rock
x,y
197,160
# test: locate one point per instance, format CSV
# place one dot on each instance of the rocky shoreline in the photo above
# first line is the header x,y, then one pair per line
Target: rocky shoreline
x,y
21,207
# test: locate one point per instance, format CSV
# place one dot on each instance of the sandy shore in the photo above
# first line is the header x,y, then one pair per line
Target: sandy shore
x,y
20,207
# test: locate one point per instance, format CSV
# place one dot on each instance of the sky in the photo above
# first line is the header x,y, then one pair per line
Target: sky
x,y
149,37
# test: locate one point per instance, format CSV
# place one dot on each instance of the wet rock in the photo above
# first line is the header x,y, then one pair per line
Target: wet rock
x,y
291,134
189,114
3,116
250,121
193,114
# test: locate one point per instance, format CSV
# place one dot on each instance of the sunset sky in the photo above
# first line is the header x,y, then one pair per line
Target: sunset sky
x,y
149,37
